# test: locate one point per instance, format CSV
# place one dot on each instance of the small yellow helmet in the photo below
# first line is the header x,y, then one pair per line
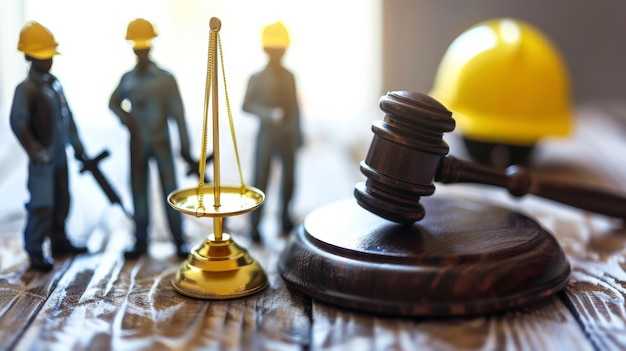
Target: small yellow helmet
x,y
505,83
37,41
275,35
141,32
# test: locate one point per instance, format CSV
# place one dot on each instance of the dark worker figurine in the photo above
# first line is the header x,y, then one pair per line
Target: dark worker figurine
x,y
154,98
43,123
271,96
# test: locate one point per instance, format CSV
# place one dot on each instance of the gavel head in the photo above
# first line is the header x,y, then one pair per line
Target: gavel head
x,y
404,156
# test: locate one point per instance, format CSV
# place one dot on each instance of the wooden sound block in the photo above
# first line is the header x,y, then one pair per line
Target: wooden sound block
x,y
463,258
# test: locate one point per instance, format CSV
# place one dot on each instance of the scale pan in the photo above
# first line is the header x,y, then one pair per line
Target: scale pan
x,y
234,200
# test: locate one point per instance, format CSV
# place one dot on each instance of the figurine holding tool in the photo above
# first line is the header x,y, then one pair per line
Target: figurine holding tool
x,y
154,98
43,123
271,96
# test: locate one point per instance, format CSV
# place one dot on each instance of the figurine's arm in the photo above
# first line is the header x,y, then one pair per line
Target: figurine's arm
x,y
115,105
254,103
74,138
177,111
66,113
294,107
20,119
294,110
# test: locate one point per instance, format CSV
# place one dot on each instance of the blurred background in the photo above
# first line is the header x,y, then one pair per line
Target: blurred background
x,y
94,53
344,54
416,33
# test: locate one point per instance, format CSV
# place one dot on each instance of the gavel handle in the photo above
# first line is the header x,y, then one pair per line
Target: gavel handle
x,y
520,182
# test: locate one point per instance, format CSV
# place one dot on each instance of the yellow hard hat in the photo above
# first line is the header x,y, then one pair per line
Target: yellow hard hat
x,y
275,35
141,32
37,41
505,83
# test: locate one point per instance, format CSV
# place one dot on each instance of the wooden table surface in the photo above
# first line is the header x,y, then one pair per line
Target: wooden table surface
x,y
100,301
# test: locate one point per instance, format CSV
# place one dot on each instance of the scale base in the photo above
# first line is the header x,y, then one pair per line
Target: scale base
x,y
464,258
219,270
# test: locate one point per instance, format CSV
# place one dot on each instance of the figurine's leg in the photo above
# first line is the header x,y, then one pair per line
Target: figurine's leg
x,y
61,204
167,177
39,221
139,185
58,237
261,174
59,242
37,228
288,170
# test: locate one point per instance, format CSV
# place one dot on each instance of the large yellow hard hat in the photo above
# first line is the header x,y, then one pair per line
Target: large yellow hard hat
x,y
141,32
37,41
505,83
275,35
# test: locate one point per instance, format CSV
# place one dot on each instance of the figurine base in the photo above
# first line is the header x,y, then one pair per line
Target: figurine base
x,y
219,270
464,258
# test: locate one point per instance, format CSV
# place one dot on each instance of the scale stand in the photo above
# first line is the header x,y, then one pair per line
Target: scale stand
x,y
218,268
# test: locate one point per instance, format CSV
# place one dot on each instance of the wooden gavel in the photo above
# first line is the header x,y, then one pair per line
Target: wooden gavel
x,y
408,154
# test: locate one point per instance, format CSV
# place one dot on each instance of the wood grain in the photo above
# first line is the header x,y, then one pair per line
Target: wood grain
x,y
547,326
104,302
22,292
597,291
595,245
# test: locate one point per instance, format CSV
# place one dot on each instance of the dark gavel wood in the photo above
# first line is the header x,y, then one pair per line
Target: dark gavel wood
x,y
464,258
387,257
408,154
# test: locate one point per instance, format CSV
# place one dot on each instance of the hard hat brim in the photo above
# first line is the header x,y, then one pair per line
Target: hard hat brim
x,y
43,54
142,44
275,45
516,131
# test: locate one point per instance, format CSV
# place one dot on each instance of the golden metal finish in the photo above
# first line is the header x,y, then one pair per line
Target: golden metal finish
x,y
218,268
234,200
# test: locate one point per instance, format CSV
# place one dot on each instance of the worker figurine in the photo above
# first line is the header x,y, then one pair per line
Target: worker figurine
x,y
43,123
271,96
154,98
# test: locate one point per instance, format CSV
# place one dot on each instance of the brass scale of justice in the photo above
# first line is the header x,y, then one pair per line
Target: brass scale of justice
x,y
218,268
380,253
